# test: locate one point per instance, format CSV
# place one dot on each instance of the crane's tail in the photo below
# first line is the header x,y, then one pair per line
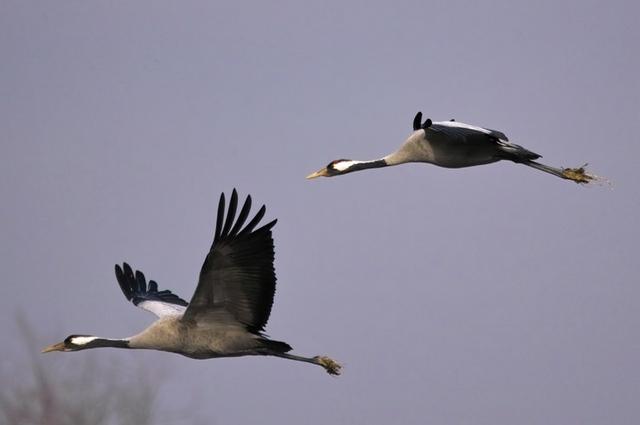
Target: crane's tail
x,y
516,153
277,346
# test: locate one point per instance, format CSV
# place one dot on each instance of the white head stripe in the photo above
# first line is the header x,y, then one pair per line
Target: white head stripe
x,y
343,165
82,340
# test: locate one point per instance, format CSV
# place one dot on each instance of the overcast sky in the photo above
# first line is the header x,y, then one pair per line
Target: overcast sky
x,y
488,295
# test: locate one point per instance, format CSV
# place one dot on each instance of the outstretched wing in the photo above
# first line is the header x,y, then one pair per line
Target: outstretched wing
x,y
134,287
237,281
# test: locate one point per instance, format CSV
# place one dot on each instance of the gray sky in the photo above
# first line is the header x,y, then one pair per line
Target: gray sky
x,y
487,295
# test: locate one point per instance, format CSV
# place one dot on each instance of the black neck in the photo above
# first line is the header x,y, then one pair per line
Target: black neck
x,y
103,342
365,165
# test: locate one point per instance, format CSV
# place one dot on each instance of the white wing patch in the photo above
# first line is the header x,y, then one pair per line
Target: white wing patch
x,y
162,309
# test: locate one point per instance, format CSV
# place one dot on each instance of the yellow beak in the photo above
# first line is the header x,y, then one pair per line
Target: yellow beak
x,y
55,347
319,173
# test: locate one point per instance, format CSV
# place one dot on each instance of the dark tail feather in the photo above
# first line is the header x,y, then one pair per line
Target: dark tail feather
x,y
279,346
517,153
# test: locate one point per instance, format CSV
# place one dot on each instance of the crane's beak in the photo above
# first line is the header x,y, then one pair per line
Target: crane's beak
x,y
55,347
320,173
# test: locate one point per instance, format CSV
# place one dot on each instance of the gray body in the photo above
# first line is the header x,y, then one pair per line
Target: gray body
x,y
198,340
447,149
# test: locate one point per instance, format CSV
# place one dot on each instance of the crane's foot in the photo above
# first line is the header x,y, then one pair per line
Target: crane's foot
x,y
580,175
331,366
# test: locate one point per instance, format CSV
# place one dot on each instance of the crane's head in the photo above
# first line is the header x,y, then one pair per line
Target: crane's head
x,y
72,343
334,168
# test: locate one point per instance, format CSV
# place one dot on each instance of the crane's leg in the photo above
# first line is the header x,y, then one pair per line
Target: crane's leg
x,y
331,366
578,175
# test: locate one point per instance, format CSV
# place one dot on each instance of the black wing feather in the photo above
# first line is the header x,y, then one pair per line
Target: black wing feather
x,y
220,218
237,278
254,222
417,121
134,287
153,286
231,214
244,213
498,135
